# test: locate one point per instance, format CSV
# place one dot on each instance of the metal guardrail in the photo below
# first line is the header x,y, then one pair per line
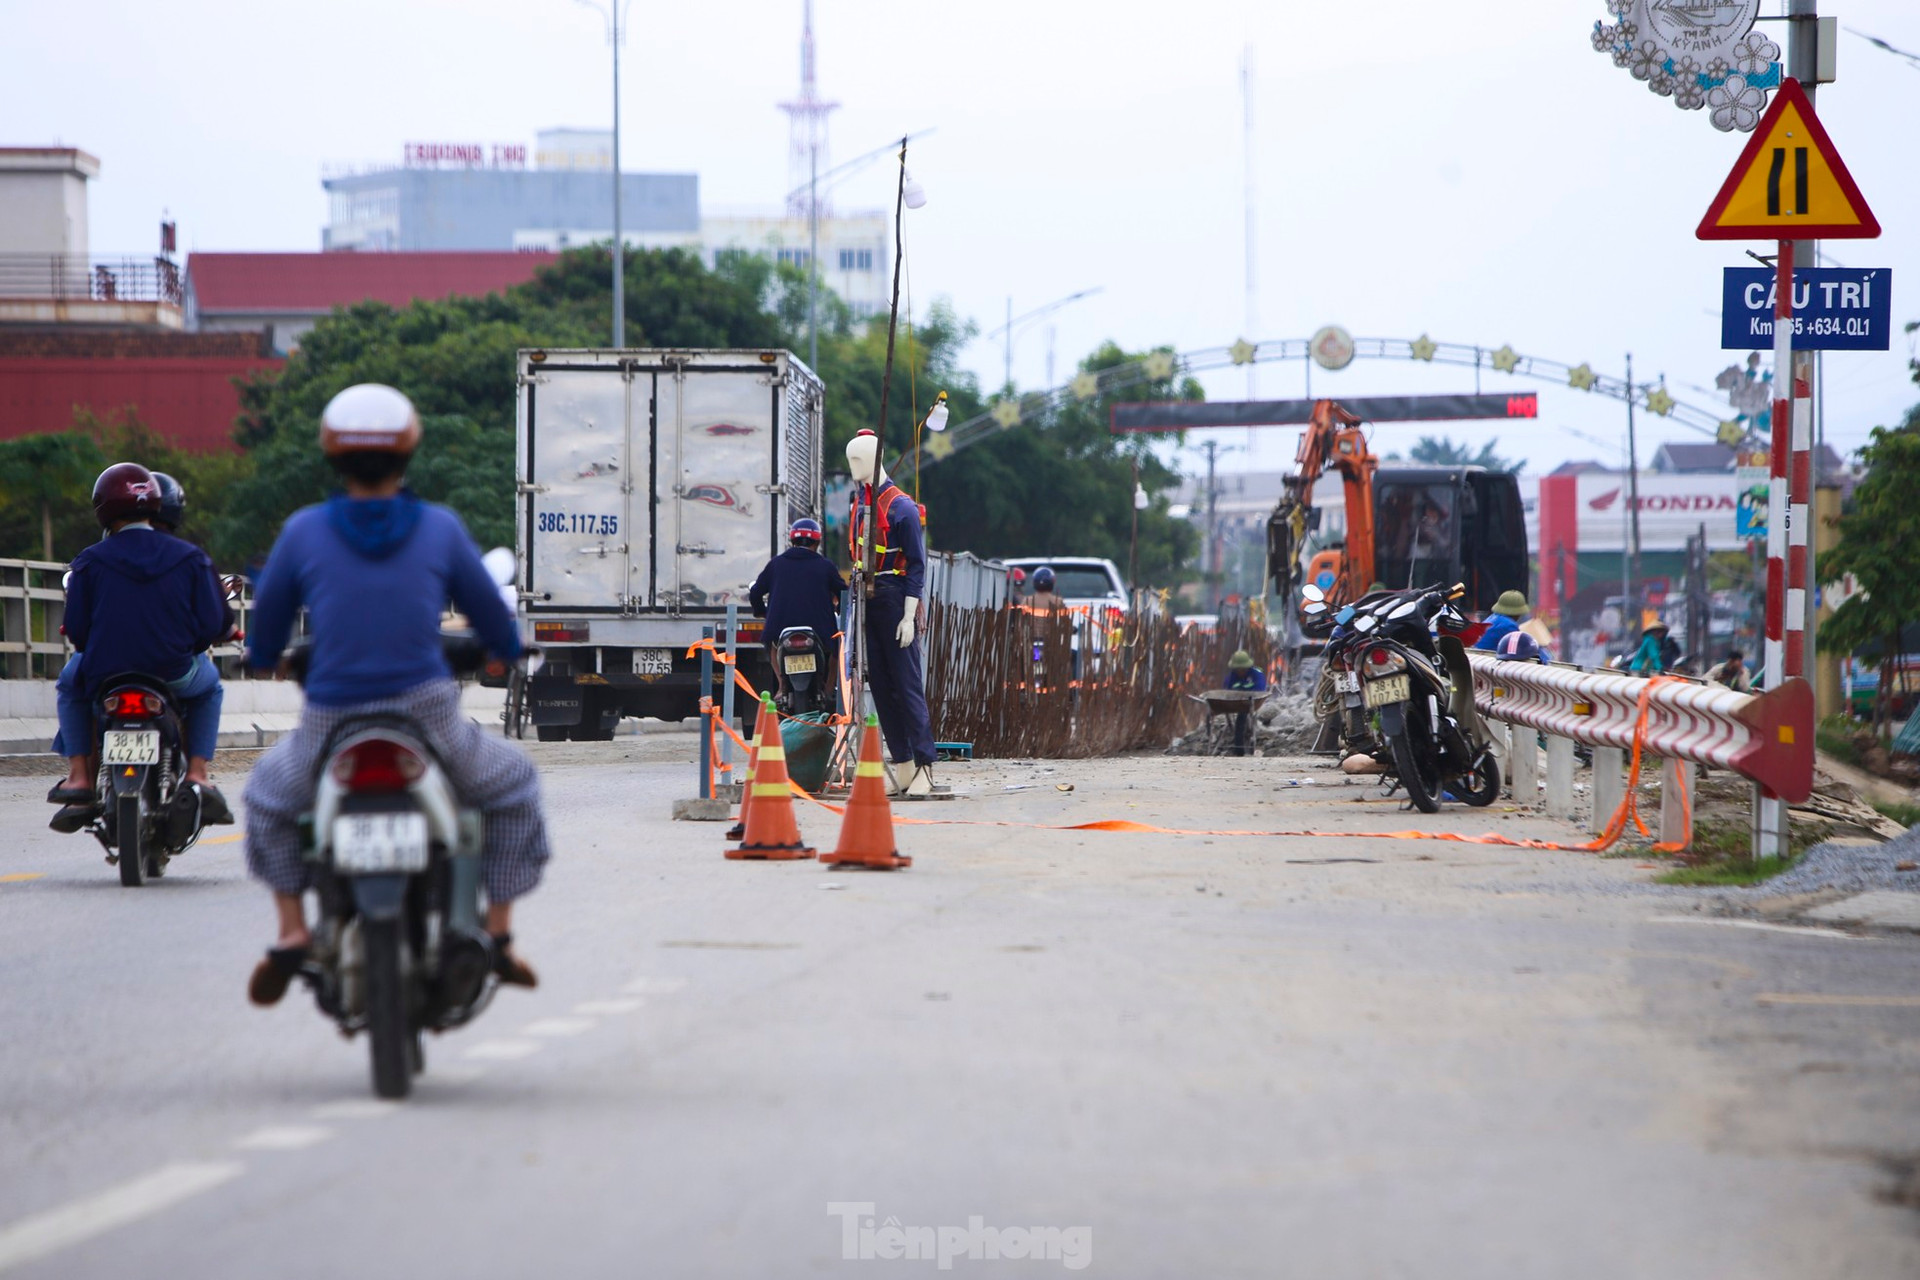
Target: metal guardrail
x,y
66,276
1767,737
965,581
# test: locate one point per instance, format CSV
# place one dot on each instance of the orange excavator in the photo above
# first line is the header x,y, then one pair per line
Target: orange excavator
x,y
1333,440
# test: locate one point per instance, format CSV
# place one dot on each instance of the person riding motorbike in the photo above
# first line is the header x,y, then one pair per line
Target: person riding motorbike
x,y
374,567
800,588
139,600
1044,599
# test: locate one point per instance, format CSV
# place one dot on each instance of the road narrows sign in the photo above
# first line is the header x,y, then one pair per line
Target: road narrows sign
x,y
1789,183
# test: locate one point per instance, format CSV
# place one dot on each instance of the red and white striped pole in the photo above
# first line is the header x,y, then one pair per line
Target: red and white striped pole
x,y
1786,536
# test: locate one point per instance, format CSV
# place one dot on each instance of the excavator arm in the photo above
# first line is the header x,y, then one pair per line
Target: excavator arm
x,y
1333,440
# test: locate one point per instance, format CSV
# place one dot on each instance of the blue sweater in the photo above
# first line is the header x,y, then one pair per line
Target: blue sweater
x,y
374,575
142,601
805,591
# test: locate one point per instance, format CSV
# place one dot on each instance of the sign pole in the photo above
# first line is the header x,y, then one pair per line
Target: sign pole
x,y
1771,825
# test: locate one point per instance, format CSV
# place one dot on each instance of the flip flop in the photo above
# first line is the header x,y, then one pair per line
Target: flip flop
x,y
509,968
274,974
64,794
74,817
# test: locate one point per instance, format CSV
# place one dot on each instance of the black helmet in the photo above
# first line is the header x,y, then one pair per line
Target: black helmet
x,y
173,502
125,491
1043,579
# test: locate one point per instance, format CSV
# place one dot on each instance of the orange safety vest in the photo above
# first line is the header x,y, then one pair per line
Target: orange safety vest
x,y
887,558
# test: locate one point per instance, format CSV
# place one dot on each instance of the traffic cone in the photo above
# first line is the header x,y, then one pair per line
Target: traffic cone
x,y
738,831
866,832
771,831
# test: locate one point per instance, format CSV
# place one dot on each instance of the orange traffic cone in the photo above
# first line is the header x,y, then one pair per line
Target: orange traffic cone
x,y
866,832
738,831
771,831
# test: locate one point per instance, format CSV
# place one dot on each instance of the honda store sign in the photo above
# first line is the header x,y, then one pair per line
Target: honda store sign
x,y
1590,512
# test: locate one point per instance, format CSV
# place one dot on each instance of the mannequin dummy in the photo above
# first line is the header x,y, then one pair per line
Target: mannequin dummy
x,y
893,594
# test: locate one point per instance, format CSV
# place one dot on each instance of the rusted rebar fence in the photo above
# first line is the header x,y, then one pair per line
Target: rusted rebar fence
x,y
1069,684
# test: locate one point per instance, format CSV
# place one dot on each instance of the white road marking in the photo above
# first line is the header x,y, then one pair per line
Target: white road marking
x,y
654,986
555,1028
284,1137
56,1229
355,1109
607,1008
503,1050
1769,927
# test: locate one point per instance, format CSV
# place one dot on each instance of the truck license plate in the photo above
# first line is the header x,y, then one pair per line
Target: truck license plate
x,y
131,746
379,843
1388,689
801,664
653,662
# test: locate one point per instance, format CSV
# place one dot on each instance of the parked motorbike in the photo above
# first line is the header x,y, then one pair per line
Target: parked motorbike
x,y
806,675
140,741
1419,687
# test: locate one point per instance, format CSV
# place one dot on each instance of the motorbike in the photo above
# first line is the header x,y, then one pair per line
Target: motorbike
x,y
806,675
140,741
399,948
1419,686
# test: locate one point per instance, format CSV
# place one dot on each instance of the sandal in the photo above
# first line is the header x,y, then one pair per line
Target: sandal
x,y
509,968
64,794
74,817
274,974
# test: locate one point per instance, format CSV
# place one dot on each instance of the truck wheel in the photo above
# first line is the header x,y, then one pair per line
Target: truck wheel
x,y
595,725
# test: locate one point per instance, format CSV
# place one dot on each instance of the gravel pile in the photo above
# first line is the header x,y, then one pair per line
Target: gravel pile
x,y
1851,868
1283,725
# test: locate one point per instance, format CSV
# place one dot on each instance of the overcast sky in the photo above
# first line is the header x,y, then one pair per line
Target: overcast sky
x,y
1473,172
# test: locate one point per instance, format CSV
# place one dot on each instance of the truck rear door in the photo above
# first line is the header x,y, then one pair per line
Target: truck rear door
x,y
579,515
717,457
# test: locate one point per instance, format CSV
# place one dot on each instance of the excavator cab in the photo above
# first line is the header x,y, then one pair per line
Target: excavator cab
x,y
1450,524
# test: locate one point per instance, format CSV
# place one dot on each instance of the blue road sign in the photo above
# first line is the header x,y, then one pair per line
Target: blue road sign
x,y
1834,309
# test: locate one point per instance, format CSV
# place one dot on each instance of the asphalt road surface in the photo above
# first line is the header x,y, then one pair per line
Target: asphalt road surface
x,y
1131,1055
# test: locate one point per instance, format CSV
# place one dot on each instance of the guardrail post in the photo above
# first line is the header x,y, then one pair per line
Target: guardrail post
x,y
1609,786
1523,763
1676,802
1559,777
726,694
706,720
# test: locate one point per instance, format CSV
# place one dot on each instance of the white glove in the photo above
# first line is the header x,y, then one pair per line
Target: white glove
x,y
905,634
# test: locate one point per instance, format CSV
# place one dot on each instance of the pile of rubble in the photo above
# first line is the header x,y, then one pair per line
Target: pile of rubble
x,y
1283,725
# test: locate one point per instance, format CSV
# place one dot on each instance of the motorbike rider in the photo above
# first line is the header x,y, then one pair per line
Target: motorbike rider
x,y
374,567
140,601
1044,599
1507,613
800,588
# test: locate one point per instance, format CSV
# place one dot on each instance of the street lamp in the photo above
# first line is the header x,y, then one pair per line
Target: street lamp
x,y
1015,323
613,11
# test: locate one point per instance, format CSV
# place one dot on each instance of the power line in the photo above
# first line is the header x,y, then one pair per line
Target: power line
x,y
1913,60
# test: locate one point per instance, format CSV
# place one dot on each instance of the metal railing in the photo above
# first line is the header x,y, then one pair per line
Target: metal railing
x,y
70,277
32,606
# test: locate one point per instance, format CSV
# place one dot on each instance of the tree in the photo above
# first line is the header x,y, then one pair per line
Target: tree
x,y
43,476
1445,452
1877,540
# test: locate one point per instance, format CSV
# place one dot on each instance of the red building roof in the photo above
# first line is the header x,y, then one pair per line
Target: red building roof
x,y
277,283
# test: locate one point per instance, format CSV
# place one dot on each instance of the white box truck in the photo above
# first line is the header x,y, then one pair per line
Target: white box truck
x,y
653,486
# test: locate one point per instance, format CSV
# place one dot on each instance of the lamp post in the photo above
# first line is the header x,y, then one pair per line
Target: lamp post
x,y
1015,323
1133,542
612,11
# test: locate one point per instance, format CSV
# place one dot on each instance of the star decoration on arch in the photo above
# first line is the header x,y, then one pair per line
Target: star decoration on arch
x,y
1007,413
1658,401
1085,386
1730,434
1158,364
1423,347
1582,378
1241,352
1506,359
939,447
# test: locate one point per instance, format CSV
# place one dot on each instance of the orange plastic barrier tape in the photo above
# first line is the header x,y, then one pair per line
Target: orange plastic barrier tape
x,y
720,656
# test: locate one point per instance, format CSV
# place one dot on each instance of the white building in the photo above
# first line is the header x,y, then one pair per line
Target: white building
x,y
853,250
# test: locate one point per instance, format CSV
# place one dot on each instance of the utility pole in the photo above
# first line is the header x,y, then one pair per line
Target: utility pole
x,y
1213,527
1632,552
1803,64
1009,378
619,244
1246,99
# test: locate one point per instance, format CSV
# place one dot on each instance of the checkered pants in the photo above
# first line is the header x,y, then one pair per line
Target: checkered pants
x,y
484,769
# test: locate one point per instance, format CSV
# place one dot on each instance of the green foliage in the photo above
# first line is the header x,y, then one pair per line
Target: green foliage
x,y
1877,541
1444,451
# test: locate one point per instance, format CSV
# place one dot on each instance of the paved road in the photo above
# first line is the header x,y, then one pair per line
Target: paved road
x,y
1176,1056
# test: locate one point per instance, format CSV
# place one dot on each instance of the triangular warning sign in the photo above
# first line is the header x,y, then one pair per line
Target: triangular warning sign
x,y
1789,183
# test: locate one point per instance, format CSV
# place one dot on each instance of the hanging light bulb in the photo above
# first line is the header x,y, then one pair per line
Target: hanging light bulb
x,y
1140,499
937,416
912,192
